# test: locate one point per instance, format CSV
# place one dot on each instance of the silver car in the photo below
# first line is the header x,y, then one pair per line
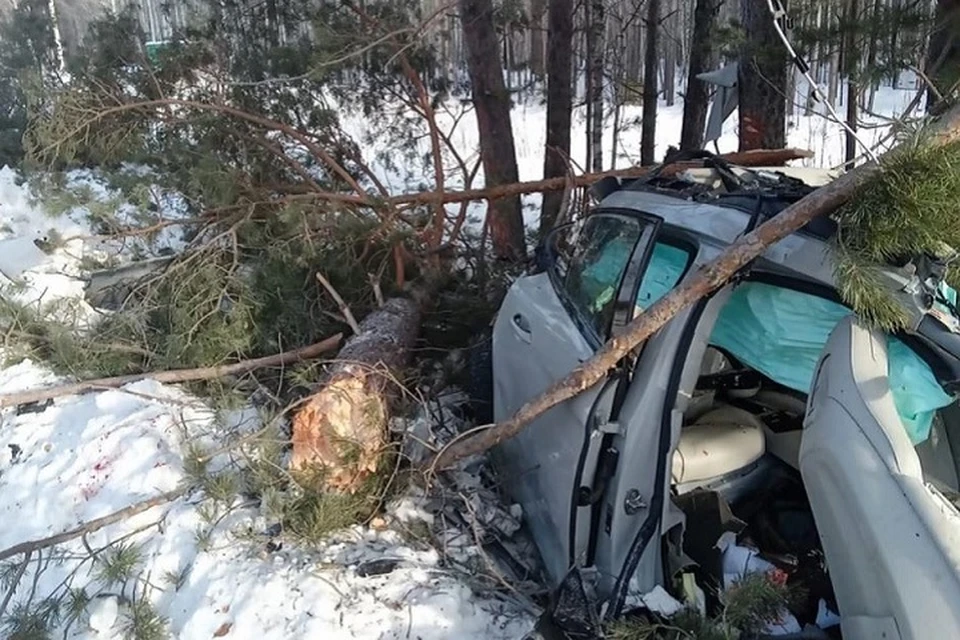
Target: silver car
x,y
765,416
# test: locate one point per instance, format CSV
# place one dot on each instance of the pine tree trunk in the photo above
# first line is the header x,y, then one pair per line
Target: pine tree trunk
x,y
943,53
492,104
703,57
763,75
342,430
559,103
648,133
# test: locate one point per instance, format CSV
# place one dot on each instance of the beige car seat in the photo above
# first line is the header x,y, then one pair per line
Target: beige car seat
x,y
724,441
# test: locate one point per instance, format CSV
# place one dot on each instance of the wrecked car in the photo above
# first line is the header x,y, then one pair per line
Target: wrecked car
x,y
764,424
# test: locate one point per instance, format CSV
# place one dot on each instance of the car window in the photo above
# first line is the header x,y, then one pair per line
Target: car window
x,y
590,273
667,266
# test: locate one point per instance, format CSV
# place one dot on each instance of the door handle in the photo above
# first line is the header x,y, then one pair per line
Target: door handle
x,y
521,327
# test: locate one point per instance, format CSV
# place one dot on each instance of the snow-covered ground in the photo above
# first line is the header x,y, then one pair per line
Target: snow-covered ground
x,y
84,457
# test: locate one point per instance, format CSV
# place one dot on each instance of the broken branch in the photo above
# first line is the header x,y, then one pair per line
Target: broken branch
x,y
343,306
92,525
754,158
707,279
176,375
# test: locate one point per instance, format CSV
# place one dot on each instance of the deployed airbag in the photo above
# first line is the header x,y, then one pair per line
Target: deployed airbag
x,y
781,333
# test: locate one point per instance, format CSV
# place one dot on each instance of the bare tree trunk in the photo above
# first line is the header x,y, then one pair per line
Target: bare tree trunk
x,y
537,10
57,39
559,103
648,133
342,429
943,54
872,48
763,79
707,279
753,158
670,54
703,57
851,57
492,104
595,70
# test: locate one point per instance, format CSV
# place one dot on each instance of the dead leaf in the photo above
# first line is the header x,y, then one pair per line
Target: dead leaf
x,y
223,630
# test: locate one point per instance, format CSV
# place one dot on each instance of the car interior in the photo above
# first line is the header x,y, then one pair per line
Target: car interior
x,y
741,433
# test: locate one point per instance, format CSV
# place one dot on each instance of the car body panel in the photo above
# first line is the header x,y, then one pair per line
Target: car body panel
x,y
892,544
551,446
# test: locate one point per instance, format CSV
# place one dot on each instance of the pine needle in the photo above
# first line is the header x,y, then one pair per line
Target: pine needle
x,y
911,207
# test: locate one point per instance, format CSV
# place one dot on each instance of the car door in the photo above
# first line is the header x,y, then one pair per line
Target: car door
x,y
548,324
892,542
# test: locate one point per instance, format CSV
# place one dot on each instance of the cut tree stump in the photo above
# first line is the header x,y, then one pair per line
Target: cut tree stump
x,y
341,431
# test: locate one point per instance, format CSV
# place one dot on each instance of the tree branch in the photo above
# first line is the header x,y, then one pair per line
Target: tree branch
x,y
176,375
92,525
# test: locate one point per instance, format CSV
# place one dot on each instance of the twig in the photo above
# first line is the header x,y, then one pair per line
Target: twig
x,y
377,292
175,375
343,306
13,585
92,525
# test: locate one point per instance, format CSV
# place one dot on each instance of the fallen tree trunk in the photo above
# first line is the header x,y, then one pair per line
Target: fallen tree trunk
x,y
708,278
176,375
755,158
341,431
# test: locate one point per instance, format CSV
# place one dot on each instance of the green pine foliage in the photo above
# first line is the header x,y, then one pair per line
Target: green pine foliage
x,y
910,208
748,607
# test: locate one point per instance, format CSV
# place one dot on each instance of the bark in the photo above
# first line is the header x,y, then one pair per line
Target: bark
x,y
648,133
177,375
943,54
763,79
703,57
559,103
707,279
492,104
341,431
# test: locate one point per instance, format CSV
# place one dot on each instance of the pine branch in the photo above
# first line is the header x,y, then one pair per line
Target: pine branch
x,y
176,375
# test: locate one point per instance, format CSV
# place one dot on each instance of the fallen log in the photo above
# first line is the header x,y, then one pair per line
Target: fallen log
x,y
176,375
754,158
710,277
341,431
